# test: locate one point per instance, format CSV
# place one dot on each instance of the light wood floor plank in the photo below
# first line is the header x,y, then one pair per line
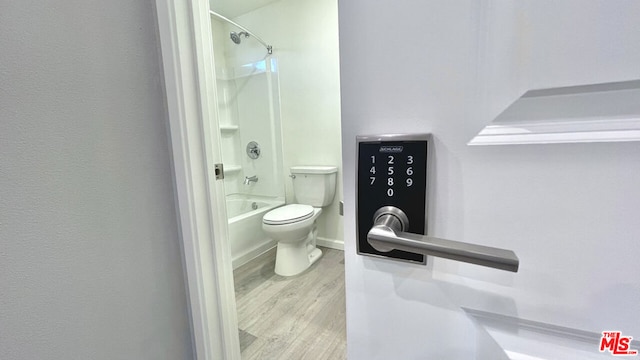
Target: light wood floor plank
x,y
275,300
292,308
324,338
254,273
300,317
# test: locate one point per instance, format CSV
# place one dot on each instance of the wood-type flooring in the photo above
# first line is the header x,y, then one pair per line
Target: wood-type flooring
x,y
299,317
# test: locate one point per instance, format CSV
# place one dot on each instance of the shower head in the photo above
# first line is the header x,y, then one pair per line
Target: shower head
x,y
236,37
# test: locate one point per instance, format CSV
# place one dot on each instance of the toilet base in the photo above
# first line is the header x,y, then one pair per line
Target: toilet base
x,y
292,259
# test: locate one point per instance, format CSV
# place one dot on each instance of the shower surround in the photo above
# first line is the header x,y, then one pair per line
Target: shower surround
x,y
249,113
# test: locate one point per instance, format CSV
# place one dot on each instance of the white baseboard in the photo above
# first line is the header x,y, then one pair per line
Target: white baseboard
x,y
330,243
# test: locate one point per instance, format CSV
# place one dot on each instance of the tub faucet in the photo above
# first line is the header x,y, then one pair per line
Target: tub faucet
x,y
249,179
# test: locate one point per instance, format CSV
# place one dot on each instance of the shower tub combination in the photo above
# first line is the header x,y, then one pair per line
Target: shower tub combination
x,y
245,214
249,114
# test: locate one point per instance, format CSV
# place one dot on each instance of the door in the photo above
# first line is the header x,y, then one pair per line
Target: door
x,y
569,211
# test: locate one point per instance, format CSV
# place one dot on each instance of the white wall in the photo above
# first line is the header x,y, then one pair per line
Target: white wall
x,y
258,123
90,262
568,211
304,35
245,100
227,108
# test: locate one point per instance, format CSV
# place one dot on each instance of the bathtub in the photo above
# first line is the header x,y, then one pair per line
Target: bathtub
x,y
245,214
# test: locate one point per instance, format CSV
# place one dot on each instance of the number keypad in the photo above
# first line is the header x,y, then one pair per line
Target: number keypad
x,y
392,173
405,162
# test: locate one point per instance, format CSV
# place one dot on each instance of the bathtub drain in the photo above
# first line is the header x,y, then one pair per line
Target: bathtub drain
x,y
254,205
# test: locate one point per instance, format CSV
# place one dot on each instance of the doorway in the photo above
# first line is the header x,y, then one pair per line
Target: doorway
x,y
278,106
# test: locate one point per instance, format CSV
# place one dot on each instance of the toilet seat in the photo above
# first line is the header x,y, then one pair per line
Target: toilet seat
x,y
288,214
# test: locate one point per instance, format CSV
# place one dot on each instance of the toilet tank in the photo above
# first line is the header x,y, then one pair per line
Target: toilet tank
x,y
314,185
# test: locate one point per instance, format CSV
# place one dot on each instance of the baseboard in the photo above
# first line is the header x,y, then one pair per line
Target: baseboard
x,y
330,243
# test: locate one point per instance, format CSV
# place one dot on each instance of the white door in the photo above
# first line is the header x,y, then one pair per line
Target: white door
x,y
569,211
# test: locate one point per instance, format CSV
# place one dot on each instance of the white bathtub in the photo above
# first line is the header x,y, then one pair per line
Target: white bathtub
x,y
245,226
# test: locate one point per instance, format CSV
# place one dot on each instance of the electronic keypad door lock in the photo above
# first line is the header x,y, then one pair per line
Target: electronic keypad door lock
x,y
392,173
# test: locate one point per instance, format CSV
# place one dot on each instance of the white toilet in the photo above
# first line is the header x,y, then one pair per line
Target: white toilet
x,y
293,226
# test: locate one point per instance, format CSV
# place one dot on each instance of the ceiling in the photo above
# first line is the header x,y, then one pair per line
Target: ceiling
x,y
234,8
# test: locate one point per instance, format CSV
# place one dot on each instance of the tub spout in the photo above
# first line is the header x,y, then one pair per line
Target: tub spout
x,y
249,179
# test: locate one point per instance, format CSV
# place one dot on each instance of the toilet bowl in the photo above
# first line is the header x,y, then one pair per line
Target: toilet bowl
x,y
293,226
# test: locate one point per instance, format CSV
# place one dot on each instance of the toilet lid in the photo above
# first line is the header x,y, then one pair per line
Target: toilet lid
x,y
288,214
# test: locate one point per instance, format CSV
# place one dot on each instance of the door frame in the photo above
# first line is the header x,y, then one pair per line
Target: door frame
x,y
184,32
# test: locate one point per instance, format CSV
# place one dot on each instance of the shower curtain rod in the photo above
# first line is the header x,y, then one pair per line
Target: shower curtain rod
x,y
269,47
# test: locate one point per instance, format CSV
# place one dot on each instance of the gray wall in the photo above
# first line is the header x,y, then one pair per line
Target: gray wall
x,y
90,263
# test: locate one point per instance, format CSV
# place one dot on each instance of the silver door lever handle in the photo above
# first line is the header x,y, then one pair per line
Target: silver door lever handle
x,y
388,234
